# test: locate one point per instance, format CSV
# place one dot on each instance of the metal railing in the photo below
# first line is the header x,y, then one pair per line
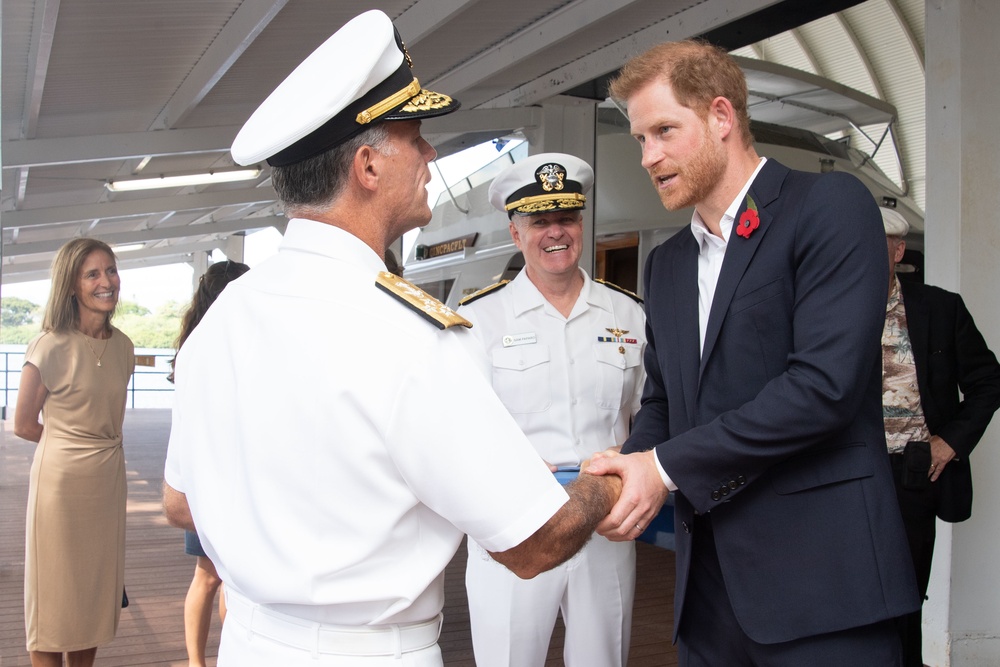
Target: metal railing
x,y
147,388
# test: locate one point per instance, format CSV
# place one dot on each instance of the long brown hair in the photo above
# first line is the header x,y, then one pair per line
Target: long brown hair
x,y
62,314
210,286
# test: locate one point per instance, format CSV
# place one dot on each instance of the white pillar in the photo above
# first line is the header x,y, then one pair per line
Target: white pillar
x,y
235,246
199,264
569,125
962,614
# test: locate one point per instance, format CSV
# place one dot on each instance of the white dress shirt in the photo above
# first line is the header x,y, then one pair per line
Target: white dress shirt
x,y
571,392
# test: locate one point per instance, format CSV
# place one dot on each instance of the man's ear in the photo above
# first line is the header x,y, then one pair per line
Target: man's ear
x,y
515,235
720,110
900,249
366,168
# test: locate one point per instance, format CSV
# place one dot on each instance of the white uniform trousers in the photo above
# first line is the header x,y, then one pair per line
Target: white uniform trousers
x,y
258,637
512,618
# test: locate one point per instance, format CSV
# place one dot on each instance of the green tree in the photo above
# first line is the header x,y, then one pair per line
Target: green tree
x,y
131,308
146,329
15,311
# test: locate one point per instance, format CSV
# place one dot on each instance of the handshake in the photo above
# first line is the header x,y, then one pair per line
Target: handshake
x,y
641,491
616,495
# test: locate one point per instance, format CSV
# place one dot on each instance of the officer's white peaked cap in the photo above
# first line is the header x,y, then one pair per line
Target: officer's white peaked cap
x,y
542,183
360,75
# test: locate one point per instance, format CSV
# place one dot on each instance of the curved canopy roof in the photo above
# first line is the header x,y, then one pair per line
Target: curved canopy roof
x,y
97,92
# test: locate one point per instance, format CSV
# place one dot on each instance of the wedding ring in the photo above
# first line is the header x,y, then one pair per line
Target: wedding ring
x,y
638,527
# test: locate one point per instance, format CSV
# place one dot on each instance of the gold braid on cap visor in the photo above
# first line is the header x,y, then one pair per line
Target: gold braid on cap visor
x,y
416,100
389,103
538,203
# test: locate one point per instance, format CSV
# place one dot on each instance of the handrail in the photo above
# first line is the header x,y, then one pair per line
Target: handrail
x,y
147,387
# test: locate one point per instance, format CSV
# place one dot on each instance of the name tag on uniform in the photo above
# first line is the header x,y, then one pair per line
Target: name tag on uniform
x,y
512,340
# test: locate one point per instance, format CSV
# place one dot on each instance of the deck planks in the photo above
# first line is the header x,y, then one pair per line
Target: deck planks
x,y
158,572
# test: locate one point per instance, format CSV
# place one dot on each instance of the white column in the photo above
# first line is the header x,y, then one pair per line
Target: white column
x,y
962,614
234,247
199,264
569,125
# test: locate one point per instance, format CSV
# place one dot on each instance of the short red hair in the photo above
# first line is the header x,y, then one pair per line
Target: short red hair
x,y
696,71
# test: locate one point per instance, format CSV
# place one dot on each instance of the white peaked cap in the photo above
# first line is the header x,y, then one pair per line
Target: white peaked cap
x,y
542,183
359,75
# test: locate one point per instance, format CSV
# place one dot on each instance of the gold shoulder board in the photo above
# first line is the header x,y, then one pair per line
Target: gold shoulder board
x,y
483,292
416,299
622,290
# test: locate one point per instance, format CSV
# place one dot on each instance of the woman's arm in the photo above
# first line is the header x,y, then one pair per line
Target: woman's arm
x,y
30,397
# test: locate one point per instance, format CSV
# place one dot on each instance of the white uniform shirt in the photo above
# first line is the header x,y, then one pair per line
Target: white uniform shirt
x,y
572,384
334,445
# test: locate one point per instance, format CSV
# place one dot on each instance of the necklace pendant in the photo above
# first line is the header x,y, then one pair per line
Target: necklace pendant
x,y
98,362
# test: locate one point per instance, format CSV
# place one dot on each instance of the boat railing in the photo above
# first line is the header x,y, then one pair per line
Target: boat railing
x,y
147,388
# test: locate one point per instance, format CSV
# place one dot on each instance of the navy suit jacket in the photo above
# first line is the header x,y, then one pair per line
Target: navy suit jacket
x,y
951,355
776,427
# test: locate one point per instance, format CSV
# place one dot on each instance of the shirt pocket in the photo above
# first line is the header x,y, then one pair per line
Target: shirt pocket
x,y
521,377
617,373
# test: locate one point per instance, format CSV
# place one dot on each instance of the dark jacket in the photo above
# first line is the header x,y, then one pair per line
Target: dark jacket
x,y
776,427
950,356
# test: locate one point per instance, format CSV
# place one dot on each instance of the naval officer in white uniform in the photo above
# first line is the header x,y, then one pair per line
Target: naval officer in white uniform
x,y
334,431
566,353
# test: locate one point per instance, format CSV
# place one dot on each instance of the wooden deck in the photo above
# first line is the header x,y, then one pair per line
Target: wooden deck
x,y
158,572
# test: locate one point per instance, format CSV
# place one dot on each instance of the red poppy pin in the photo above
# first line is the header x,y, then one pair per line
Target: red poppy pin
x,y
749,221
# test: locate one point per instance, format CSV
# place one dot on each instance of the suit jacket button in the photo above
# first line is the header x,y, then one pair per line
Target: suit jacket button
x,y
733,485
741,480
716,495
724,490
686,527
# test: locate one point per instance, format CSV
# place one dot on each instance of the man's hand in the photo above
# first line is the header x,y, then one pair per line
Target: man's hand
x,y
643,493
941,454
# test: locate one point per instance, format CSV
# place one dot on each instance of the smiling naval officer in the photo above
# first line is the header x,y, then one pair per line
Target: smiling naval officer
x,y
332,514
566,353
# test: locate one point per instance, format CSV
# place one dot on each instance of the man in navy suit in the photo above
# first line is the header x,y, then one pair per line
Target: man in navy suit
x,y
762,406
931,351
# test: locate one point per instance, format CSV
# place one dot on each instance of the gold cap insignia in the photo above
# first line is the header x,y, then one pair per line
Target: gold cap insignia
x,y
552,176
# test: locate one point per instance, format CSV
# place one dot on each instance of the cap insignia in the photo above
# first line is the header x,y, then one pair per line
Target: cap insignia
x,y
551,176
426,100
406,54
423,303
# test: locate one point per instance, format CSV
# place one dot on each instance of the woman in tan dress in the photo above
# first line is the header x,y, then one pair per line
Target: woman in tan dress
x,y
75,377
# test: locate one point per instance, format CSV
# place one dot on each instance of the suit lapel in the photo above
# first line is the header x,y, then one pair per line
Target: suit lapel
x,y
684,268
740,250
